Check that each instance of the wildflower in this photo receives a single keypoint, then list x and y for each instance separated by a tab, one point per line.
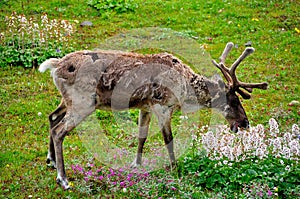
204	46
297	30
129	176
273	126
183	117
295	129
146	174
58	50
131	183
281	162
124	190
71	184
287	137
255	19
77	168
89	173
112	172
287	168
286	152
122	184
91	165
269	193
173	188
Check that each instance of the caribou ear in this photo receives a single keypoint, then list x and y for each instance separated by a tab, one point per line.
218	78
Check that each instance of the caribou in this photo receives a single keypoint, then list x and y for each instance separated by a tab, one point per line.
155	84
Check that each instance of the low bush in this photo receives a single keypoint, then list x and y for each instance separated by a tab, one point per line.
28	42
118	6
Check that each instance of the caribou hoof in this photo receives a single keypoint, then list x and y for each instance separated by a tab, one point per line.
51	163
63	182
134	164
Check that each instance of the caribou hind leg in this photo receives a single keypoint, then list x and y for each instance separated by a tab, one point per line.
54	118
75	112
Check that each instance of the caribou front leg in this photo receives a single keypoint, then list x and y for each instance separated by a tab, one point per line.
168	138
144	121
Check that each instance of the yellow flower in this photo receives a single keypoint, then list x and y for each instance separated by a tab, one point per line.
71	184
204	46
297	30
255	19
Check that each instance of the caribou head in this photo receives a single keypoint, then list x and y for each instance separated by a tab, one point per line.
232	109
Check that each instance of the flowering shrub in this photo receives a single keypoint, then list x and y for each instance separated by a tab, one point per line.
233	161
29	41
258	142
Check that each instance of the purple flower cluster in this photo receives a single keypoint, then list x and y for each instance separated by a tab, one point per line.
258	190
115	178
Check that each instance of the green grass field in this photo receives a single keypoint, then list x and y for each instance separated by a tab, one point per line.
27	96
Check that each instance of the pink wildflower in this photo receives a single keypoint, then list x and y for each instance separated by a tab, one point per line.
122	184
269	192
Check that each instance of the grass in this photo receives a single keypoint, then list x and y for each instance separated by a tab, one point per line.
271	26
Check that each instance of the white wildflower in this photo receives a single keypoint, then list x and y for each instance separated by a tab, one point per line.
287	137
281	162
286	152
273	127
295	129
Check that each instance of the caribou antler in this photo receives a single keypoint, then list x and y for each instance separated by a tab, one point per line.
230	76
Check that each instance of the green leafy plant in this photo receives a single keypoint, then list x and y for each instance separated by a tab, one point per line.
119	6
